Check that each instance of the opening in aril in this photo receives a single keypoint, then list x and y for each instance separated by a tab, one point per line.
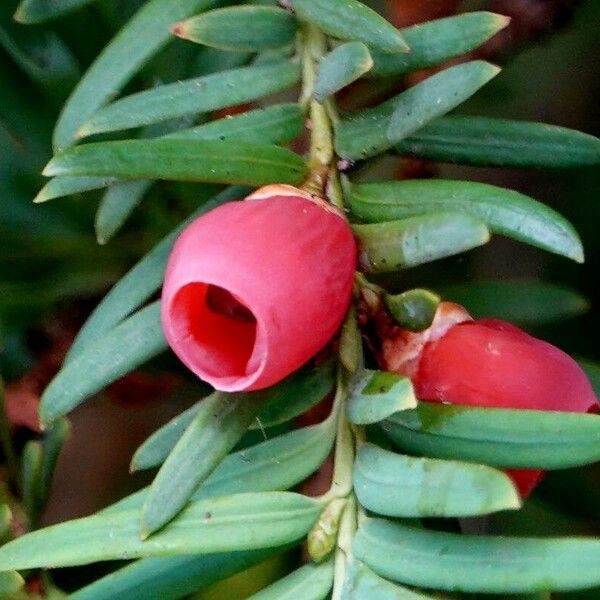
221	326
225	303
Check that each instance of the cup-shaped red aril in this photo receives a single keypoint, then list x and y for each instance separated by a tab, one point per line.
253	289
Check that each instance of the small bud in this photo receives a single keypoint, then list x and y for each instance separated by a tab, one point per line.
351	343
322	537
414	310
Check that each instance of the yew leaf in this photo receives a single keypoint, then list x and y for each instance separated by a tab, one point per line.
469	563
437	41
212	161
273	124
404	486
375	130
531	439
310	582
282	402
546	302
171	578
395	245
39	11
44	57
66	185
138	285
201	94
142	37
275	464
130	344
505	212
116	205
218	425
351	20
501	143
239	522
276	124
363	584
340	67
375	395
241	28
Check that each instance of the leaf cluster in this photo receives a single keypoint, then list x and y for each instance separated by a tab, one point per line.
220	501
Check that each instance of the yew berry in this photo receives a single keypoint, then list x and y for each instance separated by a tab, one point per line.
254	288
490	363
493	363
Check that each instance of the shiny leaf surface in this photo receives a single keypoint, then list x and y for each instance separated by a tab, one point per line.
211	161
372	131
249	28
239	522
201	94
437	41
351	20
501	143
501	565
504	211
218	425
375	395
340	67
395	245
403	486
504	438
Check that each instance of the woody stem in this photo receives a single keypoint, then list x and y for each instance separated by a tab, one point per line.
323	170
